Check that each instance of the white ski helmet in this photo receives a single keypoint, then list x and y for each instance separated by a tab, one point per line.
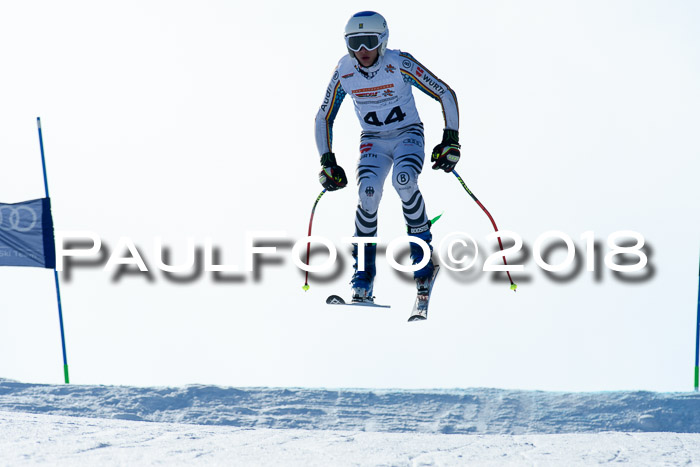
368	29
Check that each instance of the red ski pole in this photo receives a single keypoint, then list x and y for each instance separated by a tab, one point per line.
308	245
513	285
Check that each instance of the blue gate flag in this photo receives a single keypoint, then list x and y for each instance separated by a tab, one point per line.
26	234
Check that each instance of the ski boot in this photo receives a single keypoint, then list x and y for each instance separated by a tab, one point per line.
363	281
362	288
424	277
420	276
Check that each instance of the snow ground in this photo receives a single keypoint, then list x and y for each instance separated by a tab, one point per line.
96	425
60	440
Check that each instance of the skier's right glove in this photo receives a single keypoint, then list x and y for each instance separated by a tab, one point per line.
446	154
332	177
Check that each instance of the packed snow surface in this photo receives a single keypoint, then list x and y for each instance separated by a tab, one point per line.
68	424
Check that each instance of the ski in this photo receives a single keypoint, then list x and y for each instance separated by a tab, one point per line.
337	300
420	307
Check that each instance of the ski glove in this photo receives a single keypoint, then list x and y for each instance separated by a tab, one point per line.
332	176
446	154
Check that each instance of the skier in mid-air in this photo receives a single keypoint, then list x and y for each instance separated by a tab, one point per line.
380	81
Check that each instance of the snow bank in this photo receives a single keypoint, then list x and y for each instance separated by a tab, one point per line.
467	411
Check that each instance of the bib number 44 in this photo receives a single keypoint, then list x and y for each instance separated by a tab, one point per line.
395	115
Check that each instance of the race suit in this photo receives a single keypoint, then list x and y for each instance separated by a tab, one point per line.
392	133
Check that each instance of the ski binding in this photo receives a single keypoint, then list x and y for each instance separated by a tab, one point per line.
337	300
420	307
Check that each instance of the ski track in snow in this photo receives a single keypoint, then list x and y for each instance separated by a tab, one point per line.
87	425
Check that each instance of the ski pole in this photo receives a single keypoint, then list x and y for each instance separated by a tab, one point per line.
308	245
513	285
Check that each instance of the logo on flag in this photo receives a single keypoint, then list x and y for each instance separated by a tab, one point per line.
20	219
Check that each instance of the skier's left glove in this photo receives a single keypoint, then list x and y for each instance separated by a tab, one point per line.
446	154
332	176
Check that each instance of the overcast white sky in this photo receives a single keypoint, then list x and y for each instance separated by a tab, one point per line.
195	119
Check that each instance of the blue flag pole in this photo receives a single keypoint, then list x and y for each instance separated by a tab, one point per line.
55	273
697	340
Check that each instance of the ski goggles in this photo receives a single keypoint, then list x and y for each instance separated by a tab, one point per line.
368	41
